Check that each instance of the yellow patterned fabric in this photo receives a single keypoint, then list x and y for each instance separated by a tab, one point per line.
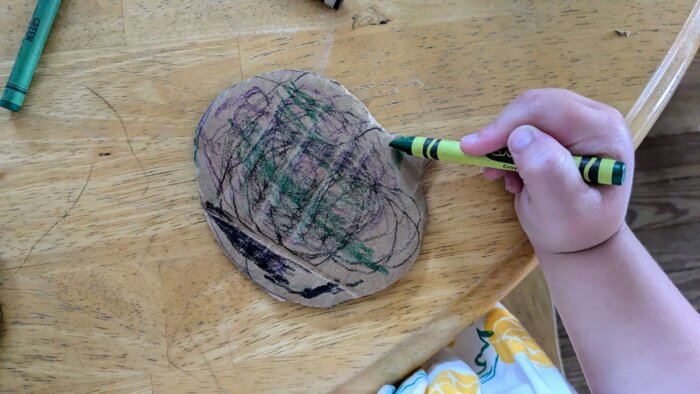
510	338
494	355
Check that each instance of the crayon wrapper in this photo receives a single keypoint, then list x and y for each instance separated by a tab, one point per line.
448	150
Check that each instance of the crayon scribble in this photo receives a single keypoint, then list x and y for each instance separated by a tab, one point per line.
291	166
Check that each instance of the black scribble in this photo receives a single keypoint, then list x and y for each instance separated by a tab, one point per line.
213	375
65	215
126	135
170	361
165	322
168	341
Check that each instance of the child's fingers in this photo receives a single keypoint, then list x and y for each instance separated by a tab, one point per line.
545	167
492	173
568	117
556	206
512	180
514	183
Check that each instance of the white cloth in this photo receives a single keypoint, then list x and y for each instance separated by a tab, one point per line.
494	355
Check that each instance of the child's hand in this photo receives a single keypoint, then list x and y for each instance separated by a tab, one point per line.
558	210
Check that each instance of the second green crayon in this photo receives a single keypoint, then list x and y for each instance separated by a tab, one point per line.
29	53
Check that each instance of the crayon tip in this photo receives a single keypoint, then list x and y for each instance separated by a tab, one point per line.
10	105
403	144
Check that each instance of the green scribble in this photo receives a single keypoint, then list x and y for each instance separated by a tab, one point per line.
312	108
363	255
398	157
292	191
256	152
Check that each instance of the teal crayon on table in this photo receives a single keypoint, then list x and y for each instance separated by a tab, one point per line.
595	170
29	53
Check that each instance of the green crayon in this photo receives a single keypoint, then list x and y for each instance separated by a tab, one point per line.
29	53
593	169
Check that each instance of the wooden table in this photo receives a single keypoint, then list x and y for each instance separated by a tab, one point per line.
109	275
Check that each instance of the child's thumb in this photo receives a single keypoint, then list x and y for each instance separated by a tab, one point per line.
547	168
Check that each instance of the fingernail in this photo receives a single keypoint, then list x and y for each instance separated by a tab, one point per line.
521	138
470	139
508	183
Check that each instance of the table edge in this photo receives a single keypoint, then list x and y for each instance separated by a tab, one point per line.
663	83
407	355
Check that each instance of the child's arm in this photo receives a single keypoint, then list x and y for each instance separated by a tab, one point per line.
631	328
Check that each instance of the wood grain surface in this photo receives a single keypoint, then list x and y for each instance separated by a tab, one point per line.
110	278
